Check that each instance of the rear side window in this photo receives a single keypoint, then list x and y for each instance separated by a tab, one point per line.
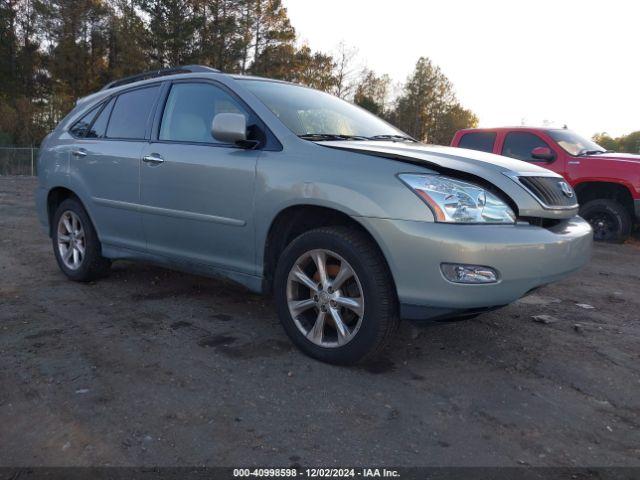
520	144
99	127
81	127
482	141
131	113
190	109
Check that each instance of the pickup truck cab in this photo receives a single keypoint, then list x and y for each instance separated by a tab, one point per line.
607	184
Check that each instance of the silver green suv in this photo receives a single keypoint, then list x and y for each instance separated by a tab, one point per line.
347	221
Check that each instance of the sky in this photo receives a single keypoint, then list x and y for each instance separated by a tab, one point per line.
511	62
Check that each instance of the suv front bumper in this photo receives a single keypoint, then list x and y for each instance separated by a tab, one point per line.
525	256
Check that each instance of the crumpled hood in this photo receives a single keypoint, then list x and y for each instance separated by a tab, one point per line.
446	157
495	169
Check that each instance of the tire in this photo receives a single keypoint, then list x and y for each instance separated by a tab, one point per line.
610	220
90	265
369	291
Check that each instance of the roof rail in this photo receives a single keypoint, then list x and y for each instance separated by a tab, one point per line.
160	73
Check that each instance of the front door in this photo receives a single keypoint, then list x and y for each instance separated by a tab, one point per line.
197	193
520	145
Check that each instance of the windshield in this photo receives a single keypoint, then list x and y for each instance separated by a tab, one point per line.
574	144
310	113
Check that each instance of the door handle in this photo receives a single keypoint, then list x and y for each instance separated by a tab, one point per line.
574	162
79	152
153	159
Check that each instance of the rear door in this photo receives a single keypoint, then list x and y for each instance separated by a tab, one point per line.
197	193
107	163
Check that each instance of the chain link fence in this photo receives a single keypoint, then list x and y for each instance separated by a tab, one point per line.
18	161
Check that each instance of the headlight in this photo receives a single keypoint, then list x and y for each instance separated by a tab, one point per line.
454	201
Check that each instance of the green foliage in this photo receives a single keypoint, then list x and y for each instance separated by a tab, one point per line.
54	51
128	41
299	65
604	140
428	109
8	46
630	143
171	29
453	118
626	143
372	92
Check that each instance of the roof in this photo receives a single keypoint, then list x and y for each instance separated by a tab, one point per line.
517	127
166	72
160	73
180	70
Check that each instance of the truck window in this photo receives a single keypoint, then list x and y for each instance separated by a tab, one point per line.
482	141
520	144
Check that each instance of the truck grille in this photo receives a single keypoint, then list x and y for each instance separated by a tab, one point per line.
549	192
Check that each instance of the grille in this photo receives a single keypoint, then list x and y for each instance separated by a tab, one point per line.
549	192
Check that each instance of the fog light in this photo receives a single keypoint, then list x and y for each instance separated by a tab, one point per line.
461	273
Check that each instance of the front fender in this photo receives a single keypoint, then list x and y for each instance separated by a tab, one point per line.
352	184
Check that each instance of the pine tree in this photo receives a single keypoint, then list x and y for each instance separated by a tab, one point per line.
267	29
172	28
221	42
128	45
427	109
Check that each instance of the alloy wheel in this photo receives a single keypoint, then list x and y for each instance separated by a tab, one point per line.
325	298
71	240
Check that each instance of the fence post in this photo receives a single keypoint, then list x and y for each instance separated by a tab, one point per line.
32	160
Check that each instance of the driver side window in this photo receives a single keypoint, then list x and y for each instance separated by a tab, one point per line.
520	145
190	110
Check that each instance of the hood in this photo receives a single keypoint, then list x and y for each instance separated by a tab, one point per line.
625	157
502	172
445	157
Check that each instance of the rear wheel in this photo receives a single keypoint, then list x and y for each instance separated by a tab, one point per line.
334	295
610	220
75	243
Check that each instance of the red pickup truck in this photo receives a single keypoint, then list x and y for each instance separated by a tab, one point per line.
607	184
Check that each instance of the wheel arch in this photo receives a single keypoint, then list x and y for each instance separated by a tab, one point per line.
294	220
593	190
58	194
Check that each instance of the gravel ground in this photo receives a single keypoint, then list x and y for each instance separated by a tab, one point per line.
154	367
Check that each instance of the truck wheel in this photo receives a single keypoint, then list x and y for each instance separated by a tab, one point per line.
75	243
611	222
334	295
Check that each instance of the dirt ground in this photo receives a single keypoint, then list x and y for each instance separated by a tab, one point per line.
153	367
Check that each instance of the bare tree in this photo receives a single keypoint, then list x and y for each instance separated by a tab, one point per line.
345	71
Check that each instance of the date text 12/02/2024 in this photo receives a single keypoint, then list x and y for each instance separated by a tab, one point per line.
316	472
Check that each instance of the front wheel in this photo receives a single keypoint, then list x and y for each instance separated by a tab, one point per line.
334	295
610	220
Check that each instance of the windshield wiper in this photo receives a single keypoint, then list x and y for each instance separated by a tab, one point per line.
593	152
316	137
394	138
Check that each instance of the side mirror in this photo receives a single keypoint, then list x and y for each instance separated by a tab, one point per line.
543	153
231	128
